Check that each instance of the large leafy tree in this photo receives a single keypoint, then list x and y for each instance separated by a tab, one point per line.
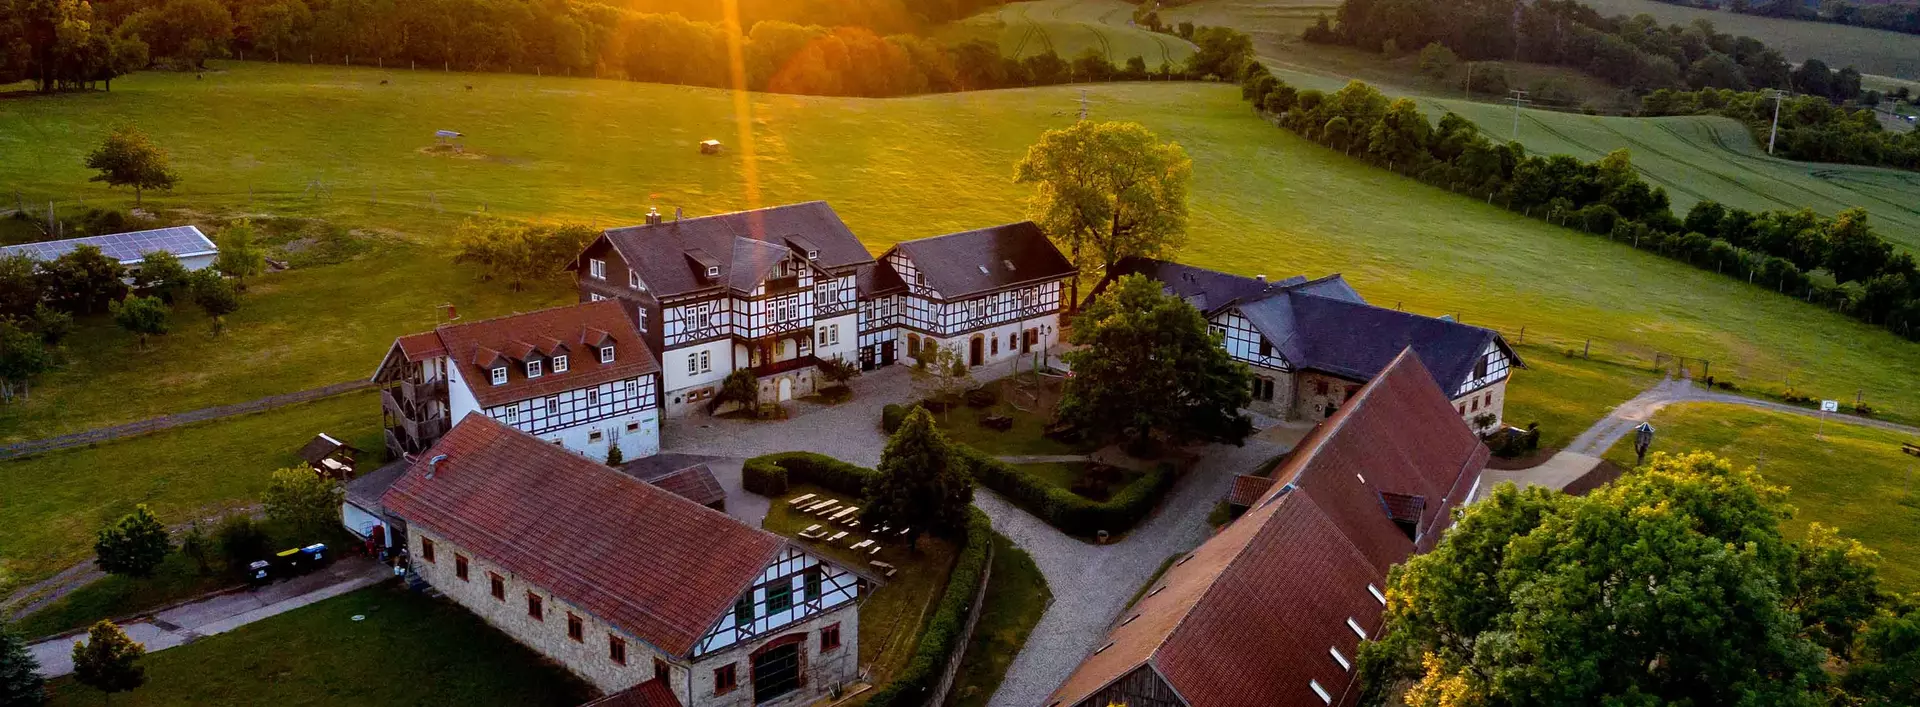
1886	670
109	661
20	680
302	499
161	275
19	285
1146	364
129	159
134	546
216	295
919	484
1108	190
1674	585
143	316
83	281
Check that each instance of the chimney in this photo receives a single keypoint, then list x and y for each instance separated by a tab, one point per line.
1262	279
676	213
434	464
653	216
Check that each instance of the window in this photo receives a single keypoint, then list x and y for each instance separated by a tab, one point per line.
1355	625
533	369
597	268
724	680
1319	387
633	427
830	638
575	630
511	414
633	281
560	363
640	316
693	364
1266	348
460	566
426	549
535	607
1321	691
616	649
500	375
779	597
1480	369
553	405
594	297
1341	659
1476	405
593	396
706	361
595	436
660	668
811	583
498	585
743	610
1377	596
821	335
632	388
713	271
606	354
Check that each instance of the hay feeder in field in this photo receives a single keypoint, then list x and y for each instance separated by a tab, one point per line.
448	139
709	147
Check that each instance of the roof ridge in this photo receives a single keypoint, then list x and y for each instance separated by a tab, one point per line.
969	231
722	214
443	326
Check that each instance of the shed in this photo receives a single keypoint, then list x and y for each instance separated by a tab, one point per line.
194	249
709	147
331	457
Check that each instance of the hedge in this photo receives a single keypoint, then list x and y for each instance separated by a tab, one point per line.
943	635
762	476
817	469
1070	512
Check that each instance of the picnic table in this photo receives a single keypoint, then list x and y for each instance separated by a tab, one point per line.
837	536
885	568
844	512
822	506
861	544
797	500
812	532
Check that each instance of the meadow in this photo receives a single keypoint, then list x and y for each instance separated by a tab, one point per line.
1069	28
1846	476
336	143
1872	51
1568	394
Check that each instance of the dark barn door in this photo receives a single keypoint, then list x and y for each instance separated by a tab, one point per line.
776	671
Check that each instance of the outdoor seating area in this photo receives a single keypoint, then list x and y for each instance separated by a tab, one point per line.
840	521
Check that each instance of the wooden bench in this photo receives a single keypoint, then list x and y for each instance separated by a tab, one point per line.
797	500
885	568
844	512
812	531
837	536
829	503
861	544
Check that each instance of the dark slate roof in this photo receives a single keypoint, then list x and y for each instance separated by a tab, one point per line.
1207	290
968	263
322	446
182	241
660	252
366	489
695	483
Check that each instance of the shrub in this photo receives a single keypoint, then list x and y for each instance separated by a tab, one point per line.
241	541
835	395
891	416
762	476
1863	410
1064	509
981	397
944	632
769	411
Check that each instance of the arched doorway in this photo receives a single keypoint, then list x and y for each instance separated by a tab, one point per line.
786	389
976	350
779	667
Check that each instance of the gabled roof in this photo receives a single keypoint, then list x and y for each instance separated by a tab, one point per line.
1207	290
1248	618
969	263
1248	489
652	693
182	241
323	445
695	483
660	252
657	566
574	329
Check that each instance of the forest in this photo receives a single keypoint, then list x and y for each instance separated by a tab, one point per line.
1811	129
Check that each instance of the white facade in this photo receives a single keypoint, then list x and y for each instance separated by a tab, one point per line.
587	421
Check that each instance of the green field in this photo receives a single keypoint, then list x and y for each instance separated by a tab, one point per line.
1568	394
378	646
1853	478
1871	51
1069	28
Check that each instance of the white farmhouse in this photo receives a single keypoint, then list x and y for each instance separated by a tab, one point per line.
578	376
993	294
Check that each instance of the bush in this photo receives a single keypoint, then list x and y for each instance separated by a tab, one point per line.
944	632
891	416
835	395
1062	508
762	476
810	468
242	540
981	397
1863	410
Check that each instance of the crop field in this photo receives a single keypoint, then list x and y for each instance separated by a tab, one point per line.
1872	51
1070	28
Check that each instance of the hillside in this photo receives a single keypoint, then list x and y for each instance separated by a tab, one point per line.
1070	27
332	142
1871	51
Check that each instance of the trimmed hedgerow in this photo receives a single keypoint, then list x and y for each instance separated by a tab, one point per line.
944	632
1070	512
818	469
760	475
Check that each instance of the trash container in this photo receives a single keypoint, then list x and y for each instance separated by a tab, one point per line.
259	573
290	562
317	556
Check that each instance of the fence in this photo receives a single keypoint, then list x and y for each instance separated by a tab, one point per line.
155	424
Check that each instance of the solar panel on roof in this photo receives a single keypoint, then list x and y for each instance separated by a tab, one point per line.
179	240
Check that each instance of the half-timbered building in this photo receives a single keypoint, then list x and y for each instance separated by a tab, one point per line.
1272	610
626	584
579	376
1313	343
993	294
772	291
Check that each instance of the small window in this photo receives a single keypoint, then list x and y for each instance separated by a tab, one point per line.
779	597
575	629
1355	625
594	297
633	427
426	549
460	566
633	281
606	354
511	414
617	649
640	316
500	375
632	388
1377	596
743	610
813	254
595	436
533	369
560	363
693	364
597	268
830	638
498	585
553	405
1476	405
536	607
713	271
1319	387
1266	348
660	669
593	396
811	583
1337	658
706	361
724	680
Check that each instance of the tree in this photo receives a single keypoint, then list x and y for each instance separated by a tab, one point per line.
1147	363
241	540
1107	191
919	484
1886	667
1852	250
23	356
303	500
239	257
20	680
83	280
134	546
144	316
941	371
1672	585
216	295
128	159
198	547
161	275
1437	61
109	661
19	285
740	386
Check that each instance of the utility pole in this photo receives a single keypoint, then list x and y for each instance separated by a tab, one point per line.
1518	98
1774	133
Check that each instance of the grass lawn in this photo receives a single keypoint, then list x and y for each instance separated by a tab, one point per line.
892	617
1017	595
1872	51
1855	479
1066	475
409	650
55	502
1070	28
1567	395
1026	438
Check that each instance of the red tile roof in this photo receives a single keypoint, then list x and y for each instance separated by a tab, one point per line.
1248	489
1248	618
656	565
572	329
652	693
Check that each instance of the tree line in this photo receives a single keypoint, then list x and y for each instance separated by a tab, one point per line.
1633	52
1893	17
1811	129
1787	251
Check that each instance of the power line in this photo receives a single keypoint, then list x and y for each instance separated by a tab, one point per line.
1518	98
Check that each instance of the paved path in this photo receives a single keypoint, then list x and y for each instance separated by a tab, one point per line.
218	614
1090	583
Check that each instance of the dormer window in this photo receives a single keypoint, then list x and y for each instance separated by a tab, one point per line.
560	363
606	354
500	375
633	281
533	369
813	255
597	268
713	271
